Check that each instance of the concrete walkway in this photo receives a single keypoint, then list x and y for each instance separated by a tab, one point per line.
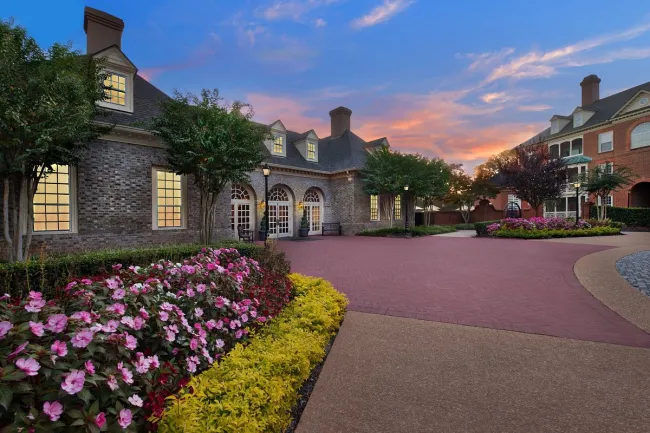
460	234
389	374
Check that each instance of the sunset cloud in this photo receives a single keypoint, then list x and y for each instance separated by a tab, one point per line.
534	107
381	13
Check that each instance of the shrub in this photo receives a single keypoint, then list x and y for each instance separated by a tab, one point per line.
464	226
555	233
413	231
43	275
629	216
254	387
107	350
481	227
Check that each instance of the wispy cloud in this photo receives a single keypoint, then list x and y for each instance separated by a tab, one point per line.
489	98
294	10
381	13
542	64
319	22
540	107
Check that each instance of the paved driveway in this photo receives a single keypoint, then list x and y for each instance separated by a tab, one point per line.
495	283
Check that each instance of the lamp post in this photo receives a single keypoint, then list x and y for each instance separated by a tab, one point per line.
576	185
266	170
406	203
352	220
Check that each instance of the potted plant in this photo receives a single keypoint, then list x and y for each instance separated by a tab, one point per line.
304	225
263	229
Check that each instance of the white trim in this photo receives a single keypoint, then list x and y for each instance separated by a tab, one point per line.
74	210
633	99
378	208
128	92
605	137
646	143
154	200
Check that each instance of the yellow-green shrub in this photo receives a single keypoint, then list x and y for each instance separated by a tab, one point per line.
255	386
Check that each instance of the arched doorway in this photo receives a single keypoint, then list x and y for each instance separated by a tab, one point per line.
280	213
313	204
640	195
242	208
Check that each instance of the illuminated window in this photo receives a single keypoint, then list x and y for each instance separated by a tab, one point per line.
52	210
169	199
311	150
278	144
115	85
374	208
398	207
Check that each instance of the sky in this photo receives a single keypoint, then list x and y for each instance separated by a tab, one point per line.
456	80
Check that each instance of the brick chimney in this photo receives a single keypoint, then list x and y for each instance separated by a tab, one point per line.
102	30
340	120
590	89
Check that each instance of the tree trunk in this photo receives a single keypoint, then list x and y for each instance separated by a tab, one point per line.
5	220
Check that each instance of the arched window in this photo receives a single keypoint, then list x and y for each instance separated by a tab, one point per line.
242	208
640	136
311	196
239	192
278	194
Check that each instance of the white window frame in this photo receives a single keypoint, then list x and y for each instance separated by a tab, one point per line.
154	200
378	208
570	140
128	93
646	137
315	157
610	201
608	166
514	199
605	137
74	228
282	144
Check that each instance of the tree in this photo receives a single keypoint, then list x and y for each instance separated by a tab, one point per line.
213	142
383	176
535	175
492	166
48	114
465	191
601	182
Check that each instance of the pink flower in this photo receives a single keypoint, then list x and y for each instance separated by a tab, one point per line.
117	267
29	366
253	313
131	343
244	318
82	339
74	382
221	301
18	350
135	400
100	419
198	312
128	321
36	328
83	316
116	308
5	327
111	326
57	323
35	296
261	319
35	306
125	418
86	281
200	288
164	316
112	383
90	368
53	410
144	314
153	361
194	343
192	362
60	348
219	324
238	333
118	294
112	283
210	324
234	324
127	376
142	364
138	323
219	343
166	306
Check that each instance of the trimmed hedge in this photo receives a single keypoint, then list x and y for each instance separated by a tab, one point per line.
546	233
465	226
45	275
253	388
481	227
413	231
630	216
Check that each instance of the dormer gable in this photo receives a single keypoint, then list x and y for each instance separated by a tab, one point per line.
638	102
277	145
580	116
307	145
558	123
120	73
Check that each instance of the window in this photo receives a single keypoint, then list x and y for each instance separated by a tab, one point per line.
576	146
607	168
374	208
52	201
555	151
577	120
565	149
169	198
640	136
609	201
606	141
514	199
115	85
398	207
278	144
311	150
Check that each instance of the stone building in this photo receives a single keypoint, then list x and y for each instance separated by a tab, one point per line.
123	194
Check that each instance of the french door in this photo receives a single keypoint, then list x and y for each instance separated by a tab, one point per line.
314	217
280	220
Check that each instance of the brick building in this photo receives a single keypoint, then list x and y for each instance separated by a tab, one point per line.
608	132
122	193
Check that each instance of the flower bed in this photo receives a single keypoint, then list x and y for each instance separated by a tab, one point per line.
103	353
546	233
538	228
254	387
413	231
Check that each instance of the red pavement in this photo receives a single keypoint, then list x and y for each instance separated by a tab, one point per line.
496	283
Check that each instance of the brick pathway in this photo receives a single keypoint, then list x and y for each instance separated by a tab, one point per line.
496	283
635	268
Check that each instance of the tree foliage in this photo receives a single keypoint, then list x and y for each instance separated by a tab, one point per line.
601	182
211	141
47	116
535	175
464	191
493	165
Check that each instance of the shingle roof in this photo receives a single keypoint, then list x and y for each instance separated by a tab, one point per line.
146	97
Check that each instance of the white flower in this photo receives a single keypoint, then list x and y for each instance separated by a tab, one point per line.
135	400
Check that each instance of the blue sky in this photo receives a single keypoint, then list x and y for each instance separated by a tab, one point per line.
459	80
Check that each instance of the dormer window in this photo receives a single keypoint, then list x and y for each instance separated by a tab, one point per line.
278	144
311	150
115	85
577	120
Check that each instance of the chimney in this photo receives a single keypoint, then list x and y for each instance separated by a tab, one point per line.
340	120
102	30
590	89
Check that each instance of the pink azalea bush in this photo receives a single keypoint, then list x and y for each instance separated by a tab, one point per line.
537	223
106	351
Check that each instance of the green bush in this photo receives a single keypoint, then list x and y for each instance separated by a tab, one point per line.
465	226
629	216
481	227
255	386
413	231
52	272
548	233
